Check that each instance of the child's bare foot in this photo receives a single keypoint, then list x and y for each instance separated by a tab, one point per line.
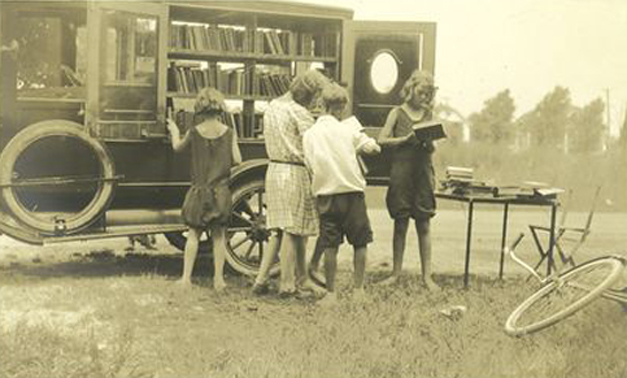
184	282
431	286
219	286
260	288
317	277
329	301
390	280
313	288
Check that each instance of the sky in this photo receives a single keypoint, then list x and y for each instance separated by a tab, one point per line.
526	46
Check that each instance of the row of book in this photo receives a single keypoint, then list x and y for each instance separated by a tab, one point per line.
188	79
246	126
270	41
461	181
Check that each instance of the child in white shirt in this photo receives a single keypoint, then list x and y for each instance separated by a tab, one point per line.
331	154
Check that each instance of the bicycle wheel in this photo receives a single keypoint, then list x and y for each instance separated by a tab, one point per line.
564	296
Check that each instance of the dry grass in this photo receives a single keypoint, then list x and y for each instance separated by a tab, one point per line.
140	323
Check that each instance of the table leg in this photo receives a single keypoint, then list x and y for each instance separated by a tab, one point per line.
551	238
471	206
503	239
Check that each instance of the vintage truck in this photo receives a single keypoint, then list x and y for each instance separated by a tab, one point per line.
86	85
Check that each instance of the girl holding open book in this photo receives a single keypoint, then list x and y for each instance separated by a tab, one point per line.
412	178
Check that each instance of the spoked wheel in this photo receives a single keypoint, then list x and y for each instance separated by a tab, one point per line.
55	178
564	296
247	236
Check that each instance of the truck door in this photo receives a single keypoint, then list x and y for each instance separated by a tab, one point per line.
377	58
125	71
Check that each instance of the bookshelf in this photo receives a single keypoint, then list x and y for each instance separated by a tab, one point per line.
250	55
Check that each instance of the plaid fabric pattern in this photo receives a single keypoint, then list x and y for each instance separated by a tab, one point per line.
291	205
285	122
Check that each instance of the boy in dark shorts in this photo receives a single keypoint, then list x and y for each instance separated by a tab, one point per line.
331	154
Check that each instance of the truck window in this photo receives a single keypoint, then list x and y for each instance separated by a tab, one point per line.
131	46
384	72
52	55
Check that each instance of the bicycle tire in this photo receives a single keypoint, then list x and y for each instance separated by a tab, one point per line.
554	301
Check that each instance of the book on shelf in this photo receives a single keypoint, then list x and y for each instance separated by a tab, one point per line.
429	130
191	78
211	37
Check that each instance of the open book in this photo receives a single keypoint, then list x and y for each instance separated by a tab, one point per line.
429	130
354	122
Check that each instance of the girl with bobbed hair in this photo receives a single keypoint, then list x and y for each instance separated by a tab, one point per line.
411	193
291	212
207	205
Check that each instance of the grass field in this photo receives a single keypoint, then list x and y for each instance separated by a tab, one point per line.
92	310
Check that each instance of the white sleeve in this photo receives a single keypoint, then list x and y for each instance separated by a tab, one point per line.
365	144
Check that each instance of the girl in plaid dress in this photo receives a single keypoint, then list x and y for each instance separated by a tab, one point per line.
291	206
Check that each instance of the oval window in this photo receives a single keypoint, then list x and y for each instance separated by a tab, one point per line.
383	72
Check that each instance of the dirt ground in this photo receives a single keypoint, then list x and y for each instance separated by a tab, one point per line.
92	309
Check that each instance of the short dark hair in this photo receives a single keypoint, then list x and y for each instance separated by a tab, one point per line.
210	101
305	86
334	96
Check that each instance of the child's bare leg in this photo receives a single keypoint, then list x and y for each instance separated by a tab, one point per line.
274	244
398	244
219	255
288	261
330	270
300	244
314	264
398	248
191	250
359	264
424	245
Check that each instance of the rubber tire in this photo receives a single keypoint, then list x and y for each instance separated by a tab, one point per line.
512	329
51	128
253	183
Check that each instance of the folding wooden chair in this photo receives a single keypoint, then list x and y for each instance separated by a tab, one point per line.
574	237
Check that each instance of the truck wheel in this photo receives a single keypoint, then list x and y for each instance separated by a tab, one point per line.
247	236
55	178
178	239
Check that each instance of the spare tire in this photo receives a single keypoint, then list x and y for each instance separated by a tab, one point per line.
55	136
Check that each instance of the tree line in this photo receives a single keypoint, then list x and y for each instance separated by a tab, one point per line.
554	122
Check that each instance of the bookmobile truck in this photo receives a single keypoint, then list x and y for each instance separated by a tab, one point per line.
86	85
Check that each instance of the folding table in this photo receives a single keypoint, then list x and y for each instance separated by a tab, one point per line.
471	199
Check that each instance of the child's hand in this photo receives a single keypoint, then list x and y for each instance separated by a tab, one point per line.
172	127
409	138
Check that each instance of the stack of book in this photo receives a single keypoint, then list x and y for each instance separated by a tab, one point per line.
527	189
460	181
462	174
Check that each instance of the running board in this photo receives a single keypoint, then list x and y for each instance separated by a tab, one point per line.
117	231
